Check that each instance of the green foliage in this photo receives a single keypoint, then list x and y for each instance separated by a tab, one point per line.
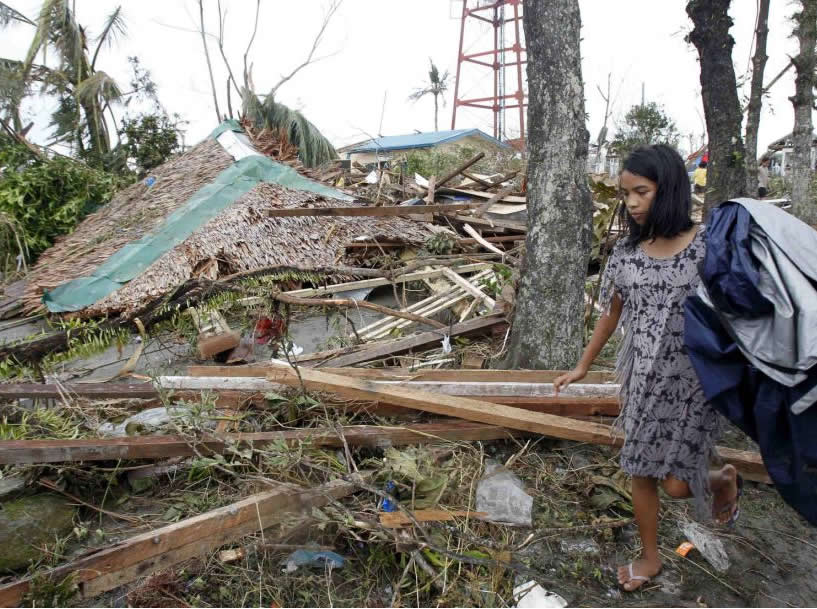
291	126
149	140
439	161
645	125
48	197
605	201
440	244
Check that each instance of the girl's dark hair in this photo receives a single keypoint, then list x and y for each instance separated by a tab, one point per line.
670	214
702	164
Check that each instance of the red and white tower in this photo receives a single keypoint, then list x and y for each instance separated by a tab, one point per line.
504	58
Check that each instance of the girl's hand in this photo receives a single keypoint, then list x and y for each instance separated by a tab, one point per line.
563	381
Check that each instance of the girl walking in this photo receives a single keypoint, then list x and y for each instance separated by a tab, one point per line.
670	430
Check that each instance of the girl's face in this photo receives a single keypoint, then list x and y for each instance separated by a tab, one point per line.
638	193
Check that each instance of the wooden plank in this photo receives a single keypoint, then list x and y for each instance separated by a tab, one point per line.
108	568
418	341
481	390
463	241
446	405
502	195
401	374
382	211
373	283
561	406
506	194
101	391
470	288
159	447
393	520
490	223
471	231
483	412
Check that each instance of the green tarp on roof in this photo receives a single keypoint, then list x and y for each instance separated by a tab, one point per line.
207	203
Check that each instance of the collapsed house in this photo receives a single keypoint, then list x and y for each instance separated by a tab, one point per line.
202	214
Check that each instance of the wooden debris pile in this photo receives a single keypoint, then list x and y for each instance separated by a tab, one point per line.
477	405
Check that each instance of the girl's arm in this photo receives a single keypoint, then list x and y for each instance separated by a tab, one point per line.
604	329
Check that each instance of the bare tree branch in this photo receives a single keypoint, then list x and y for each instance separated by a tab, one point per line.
249	45
222	19
207	56
327	18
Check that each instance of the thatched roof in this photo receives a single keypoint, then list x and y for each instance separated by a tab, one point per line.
240	238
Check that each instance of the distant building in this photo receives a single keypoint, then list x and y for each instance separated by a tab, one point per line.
780	153
384	149
601	159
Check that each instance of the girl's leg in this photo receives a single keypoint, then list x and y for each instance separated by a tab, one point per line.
645	505
723	483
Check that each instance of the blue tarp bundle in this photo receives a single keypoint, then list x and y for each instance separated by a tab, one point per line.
738	293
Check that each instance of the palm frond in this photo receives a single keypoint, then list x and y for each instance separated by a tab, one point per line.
97	86
114	28
313	148
56	25
9	15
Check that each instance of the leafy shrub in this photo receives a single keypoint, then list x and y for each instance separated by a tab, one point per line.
46	198
439	161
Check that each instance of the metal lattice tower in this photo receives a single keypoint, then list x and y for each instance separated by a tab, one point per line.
502	15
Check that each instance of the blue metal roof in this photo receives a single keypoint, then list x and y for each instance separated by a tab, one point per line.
422	140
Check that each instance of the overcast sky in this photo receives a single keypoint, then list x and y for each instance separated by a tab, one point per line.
379	49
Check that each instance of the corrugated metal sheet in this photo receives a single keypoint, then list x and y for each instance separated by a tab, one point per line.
421	140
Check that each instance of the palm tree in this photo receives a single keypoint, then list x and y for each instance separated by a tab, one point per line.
436	87
84	93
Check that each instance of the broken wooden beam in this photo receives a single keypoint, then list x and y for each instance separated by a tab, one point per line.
748	463
348	303
393	520
490	222
481	390
463	241
419	341
160	447
373	283
470	288
458	170
110	567
102	391
383	210
401	374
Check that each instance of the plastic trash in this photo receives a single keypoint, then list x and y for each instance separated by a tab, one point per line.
372	177
302	558
387	505
710	547
531	594
446	344
145	420
150	181
501	495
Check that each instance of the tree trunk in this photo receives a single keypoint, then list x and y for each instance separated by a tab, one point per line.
756	96
547	325
803	101
436	109
726	173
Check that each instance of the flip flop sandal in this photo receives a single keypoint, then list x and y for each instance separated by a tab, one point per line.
635	578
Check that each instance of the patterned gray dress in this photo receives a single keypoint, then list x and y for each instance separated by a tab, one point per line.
668	425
